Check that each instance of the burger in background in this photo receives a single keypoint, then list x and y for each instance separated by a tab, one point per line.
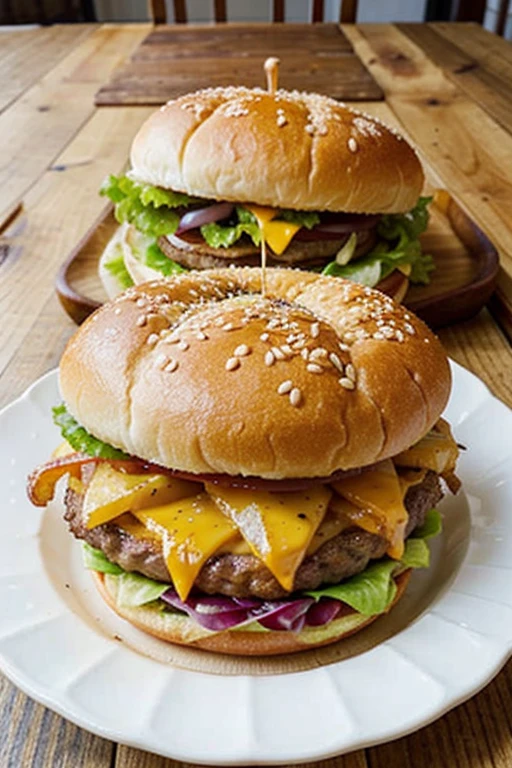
218	173
252	474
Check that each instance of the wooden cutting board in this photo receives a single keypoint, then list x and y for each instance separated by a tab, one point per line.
173	60
464	279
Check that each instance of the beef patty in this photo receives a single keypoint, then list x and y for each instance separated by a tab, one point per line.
195	253
342	556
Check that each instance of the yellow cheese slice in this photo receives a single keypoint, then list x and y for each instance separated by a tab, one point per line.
278	527
410	477
277	234
340	514
191	530
110	493
379	497
437	451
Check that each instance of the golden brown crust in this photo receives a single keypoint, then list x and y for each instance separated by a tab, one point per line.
199	373
175	628
236	144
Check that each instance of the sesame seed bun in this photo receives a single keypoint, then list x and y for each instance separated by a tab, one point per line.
199	373
285	150
178	628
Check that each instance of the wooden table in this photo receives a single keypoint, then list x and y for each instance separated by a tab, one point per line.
449	87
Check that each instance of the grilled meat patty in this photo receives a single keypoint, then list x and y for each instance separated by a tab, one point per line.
235	575
194	252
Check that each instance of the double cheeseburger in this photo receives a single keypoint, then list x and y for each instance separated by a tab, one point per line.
215	175
252	474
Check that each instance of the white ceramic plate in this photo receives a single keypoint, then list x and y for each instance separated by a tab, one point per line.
57	638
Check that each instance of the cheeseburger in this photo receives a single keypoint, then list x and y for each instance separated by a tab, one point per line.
249	473
218	175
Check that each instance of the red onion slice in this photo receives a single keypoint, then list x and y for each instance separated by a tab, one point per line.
196	219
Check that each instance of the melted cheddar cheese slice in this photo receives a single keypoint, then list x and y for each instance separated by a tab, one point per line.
278	527
437	451
111	493
378	496
191	531
278	234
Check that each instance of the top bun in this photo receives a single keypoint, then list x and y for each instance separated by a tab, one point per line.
200	373
286	150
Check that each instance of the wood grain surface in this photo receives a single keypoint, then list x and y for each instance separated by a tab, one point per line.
469	151
175	60
463	142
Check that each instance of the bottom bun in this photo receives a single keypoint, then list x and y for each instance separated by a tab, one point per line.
180	629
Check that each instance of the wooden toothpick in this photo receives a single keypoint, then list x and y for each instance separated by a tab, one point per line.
271	68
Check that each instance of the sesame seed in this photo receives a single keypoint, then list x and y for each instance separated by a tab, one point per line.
295	396
350	371
242	350
141	302
409	328
161	360
117	311
286	349
201	336
172	339
152	339
310	129
343	347
183	345
399	335
278	354
227	327
264	337
352	144
315	330
232	364
171	365
285	387
141	320
427	341
314	368
269	358
347	383
378	335
281	120
318	353
304	354
333	357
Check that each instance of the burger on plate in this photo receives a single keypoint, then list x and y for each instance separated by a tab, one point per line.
217	174
252	474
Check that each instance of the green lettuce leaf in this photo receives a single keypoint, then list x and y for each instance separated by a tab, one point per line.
117	269
146	250
366	270
399	246
373	590
369	592
307	219
80	439
416	554
95	560
432	526
148	208
156	259
224	236
133	589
